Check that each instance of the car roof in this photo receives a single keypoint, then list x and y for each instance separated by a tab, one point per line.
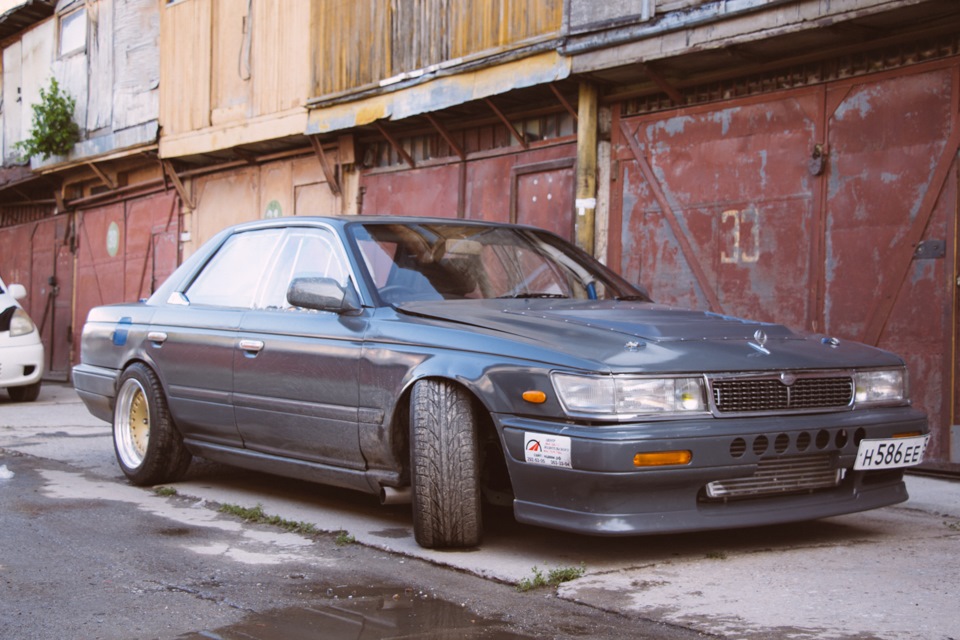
343	221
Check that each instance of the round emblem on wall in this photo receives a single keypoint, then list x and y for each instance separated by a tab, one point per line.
274	210
113	239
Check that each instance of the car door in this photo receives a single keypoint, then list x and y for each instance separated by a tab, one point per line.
296	389
193	337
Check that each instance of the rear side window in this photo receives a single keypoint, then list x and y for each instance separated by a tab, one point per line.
233	276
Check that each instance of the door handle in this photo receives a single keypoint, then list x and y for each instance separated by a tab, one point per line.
157	337
251	346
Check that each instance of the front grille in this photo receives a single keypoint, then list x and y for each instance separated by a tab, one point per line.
779	476
753	395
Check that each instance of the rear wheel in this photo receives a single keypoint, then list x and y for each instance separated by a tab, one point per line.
445	466
149	448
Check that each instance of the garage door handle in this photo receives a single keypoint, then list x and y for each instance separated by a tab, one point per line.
157	337
251	346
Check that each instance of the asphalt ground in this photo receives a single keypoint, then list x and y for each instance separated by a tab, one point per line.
890	573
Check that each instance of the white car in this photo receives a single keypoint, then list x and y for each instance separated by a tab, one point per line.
21	352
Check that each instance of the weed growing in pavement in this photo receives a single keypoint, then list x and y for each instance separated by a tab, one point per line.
551	579
344	538
716	555
953	526
256	515
165	492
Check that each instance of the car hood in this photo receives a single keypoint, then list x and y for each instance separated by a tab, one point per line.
646	336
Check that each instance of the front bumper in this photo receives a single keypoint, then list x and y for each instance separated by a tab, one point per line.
21	362
604	493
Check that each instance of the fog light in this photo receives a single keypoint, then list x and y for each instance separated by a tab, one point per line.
535	397
662	458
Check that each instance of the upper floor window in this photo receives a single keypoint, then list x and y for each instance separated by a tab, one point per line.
73	32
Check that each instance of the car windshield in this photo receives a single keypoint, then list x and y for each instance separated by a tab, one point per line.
454	261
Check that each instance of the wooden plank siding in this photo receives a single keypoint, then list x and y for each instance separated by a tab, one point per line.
280	56
221	66
185	66
358	43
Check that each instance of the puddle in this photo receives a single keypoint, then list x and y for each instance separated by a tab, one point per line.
357	614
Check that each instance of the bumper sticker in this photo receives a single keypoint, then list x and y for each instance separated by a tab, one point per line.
552	451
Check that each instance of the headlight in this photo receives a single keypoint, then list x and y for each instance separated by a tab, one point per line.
21	324
626	396
888	386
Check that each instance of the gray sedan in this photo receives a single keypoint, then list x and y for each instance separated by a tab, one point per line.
449	362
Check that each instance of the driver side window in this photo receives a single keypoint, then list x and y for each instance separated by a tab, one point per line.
306	253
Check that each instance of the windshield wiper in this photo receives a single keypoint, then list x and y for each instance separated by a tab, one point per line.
535	295
635	296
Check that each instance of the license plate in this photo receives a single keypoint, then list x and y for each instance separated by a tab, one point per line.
891	453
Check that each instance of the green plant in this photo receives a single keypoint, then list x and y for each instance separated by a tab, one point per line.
256	515
551	579
344	538
165	492
53	131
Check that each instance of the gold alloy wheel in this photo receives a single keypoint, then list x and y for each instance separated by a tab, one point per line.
132	424
139	423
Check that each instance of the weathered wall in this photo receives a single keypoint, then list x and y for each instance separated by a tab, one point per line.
831	208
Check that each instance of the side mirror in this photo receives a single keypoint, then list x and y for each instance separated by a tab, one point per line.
323	294
18	291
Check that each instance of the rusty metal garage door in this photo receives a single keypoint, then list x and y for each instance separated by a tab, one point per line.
831	208
529	187
125	251
38	255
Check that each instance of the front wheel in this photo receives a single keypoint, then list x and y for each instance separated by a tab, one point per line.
445	466
27	393
149	448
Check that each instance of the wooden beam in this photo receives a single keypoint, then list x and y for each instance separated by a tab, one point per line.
171	173
563	100
586	202
104	178
446	136
325	165
662	83
396	146
246	156
516	134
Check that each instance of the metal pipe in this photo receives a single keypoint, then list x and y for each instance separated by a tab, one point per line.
396	495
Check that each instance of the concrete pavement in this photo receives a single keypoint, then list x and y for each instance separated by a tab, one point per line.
889	573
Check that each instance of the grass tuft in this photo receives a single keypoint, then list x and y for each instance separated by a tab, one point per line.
256	515
551	579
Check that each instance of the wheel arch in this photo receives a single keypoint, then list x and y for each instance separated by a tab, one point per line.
493	460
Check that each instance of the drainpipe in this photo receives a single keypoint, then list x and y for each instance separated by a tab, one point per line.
586	202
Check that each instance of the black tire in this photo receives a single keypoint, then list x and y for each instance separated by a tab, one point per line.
28	393
445	466
149	448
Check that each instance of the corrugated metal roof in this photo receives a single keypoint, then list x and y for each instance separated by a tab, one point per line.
440	93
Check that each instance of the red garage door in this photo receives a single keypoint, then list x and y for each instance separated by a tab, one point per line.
125	252
529	187
38	255
831	208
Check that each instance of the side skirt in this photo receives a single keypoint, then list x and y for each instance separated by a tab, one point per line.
365	481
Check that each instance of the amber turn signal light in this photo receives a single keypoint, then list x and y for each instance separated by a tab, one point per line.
662	458
535	397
